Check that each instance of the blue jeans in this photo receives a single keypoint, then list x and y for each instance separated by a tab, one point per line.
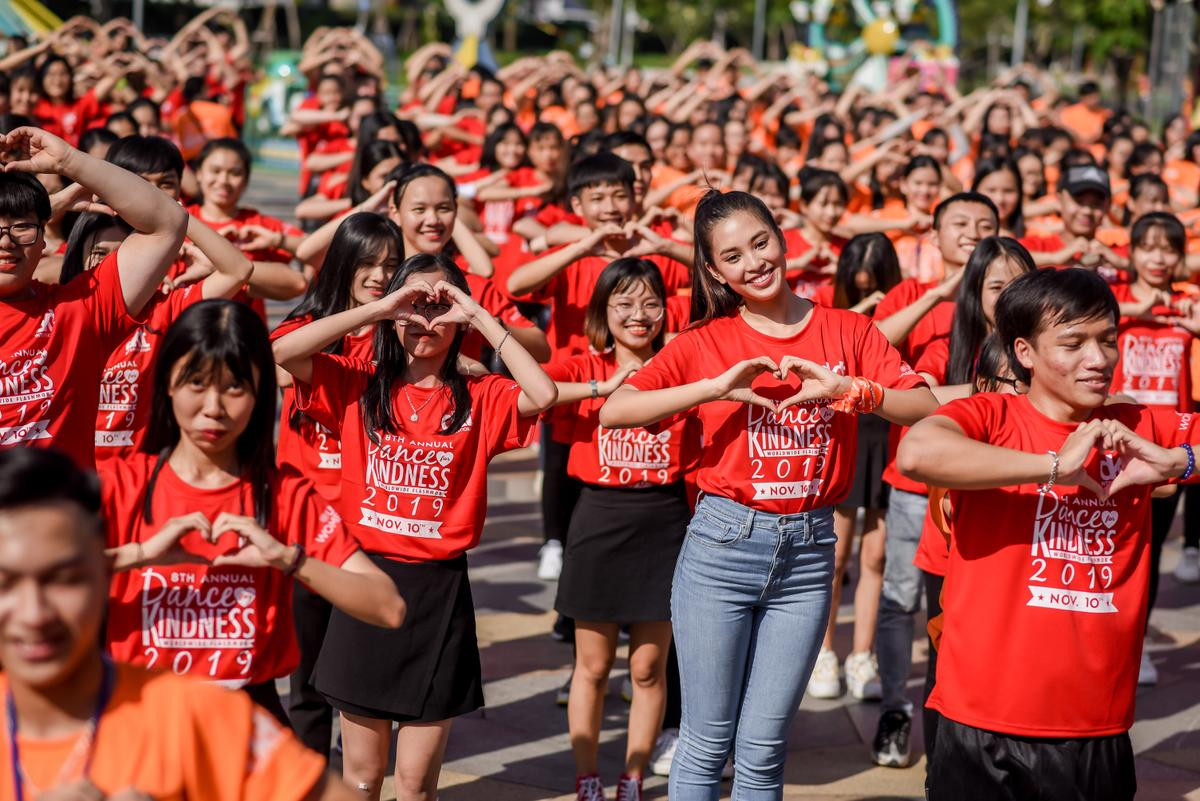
901	597
749	605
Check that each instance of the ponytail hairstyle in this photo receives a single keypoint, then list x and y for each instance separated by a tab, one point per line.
865	253
208	336
970	327
367	156
710	297
414	170
378	400
619	276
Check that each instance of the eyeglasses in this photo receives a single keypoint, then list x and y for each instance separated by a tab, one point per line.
22	233
431	310
653	310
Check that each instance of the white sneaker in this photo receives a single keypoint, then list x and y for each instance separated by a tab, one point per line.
550	561
664	752
862	677
1188	569
825	681
1147	673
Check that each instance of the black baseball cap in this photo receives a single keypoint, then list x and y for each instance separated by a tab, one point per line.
1086	178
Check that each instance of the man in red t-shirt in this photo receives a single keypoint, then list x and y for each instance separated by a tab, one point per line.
1084	195
601	191
913	316
55	339
1046	584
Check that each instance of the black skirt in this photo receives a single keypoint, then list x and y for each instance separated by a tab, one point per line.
868	489
426	670
620	556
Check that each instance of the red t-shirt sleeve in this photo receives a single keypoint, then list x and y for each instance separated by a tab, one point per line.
975	415
672	366
100	292
935	360
881	362
507	429
897	298
310	521
337	382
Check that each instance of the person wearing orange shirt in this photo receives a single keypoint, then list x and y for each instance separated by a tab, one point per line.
80	726
1085	119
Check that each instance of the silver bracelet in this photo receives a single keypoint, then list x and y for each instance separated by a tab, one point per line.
503	339
1045	488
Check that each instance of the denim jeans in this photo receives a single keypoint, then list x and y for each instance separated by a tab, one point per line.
749	605
901	597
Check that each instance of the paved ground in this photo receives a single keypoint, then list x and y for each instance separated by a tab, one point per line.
517	748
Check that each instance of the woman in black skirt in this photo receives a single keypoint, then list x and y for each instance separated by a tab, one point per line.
416	436
628	526
866	270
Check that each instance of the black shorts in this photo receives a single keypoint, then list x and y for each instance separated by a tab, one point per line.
987	766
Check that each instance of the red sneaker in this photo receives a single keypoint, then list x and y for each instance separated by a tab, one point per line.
589	788
629	788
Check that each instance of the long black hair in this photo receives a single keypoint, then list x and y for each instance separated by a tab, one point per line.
86	226
378	401
970	327
208	336
869	253
985	167
488	160
710	297
360	237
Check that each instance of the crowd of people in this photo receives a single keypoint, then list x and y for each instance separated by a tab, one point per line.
747	320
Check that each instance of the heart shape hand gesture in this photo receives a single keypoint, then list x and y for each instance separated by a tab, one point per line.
818	382
734	383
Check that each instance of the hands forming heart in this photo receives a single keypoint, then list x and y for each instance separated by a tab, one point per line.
33	150
427	306
256	546
1142	462
818	382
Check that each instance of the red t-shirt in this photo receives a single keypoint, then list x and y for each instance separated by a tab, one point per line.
416	495
570	291
495	303
1154	368
679	312
128	379
1045	595
622	457
1054	243
308	447
229	624
819	272
803	461
54	342
498	216
932	551
67	120
249	216
933	326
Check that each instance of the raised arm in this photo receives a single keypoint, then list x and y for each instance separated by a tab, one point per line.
158	225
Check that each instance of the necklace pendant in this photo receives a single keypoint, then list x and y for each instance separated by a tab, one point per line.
413	417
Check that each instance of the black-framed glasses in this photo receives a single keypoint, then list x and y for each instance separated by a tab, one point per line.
652	309
22	233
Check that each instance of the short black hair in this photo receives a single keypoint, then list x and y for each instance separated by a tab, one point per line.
21	194
814	179
31	476
597	170
1169	224
143	155
1048	297
96	136
1089	88
624	139
964	197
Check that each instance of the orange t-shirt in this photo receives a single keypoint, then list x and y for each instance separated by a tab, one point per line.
173	737
1086	124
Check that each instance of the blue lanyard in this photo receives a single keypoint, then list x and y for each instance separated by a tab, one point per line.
107	682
